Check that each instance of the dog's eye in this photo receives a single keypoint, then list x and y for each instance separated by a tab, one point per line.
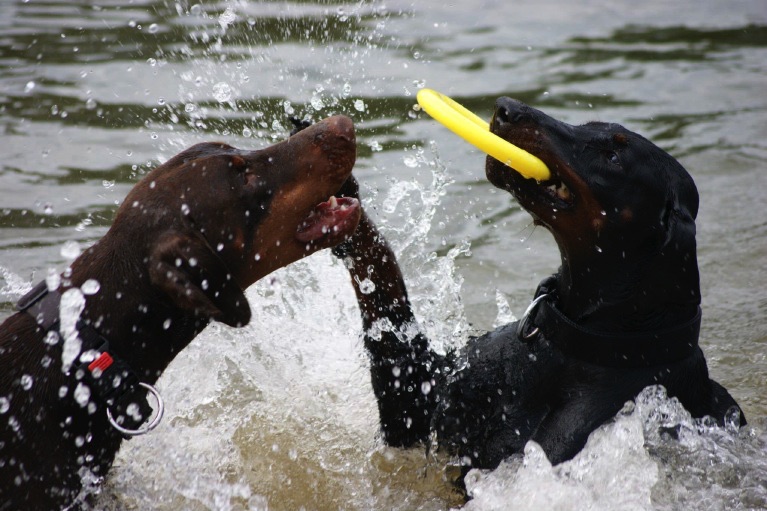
613	158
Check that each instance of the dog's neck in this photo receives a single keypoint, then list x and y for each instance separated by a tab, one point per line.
616	291
141	324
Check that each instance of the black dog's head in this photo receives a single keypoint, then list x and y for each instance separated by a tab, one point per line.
621	209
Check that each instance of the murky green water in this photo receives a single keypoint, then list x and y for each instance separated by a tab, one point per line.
94	94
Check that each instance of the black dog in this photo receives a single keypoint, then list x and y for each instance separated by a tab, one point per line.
622	313
185	244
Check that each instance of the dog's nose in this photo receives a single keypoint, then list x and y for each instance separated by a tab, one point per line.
509	111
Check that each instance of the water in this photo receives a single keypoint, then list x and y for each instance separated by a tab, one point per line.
280	415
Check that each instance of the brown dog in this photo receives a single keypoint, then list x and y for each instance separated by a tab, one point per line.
185	244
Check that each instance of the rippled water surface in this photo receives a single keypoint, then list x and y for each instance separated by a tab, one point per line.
280	414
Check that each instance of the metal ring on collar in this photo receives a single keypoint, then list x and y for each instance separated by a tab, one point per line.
152	424
523	322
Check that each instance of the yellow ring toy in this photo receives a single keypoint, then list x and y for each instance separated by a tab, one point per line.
474	130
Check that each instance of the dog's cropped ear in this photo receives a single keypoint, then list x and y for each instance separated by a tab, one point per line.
196	280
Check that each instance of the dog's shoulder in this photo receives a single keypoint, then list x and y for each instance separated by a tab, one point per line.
498	395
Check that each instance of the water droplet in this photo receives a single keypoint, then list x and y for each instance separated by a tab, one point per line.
166	324
317	103
26	382
30	85
246	132
83	224
425	387
108	184
51	338
359	105
184	209
5	404
134	411
90	104
70	250
90	287
153	28
82	394
366	286
220	247
222	92
375	146
396	371
410	161
227	18
53	279
70	308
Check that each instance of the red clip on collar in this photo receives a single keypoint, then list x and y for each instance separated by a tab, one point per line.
101	363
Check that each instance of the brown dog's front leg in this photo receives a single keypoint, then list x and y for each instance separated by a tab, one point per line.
405	373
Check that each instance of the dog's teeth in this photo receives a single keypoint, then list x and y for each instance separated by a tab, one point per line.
333	201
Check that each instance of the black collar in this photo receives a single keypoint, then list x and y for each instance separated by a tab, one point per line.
623	350
110	379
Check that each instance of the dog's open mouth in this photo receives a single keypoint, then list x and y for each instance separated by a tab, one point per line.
335	217
557	191
554	191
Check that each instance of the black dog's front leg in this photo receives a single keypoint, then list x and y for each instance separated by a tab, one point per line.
405	373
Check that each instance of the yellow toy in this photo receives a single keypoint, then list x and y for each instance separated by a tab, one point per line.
474	130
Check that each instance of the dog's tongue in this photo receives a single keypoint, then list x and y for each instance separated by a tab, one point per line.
335	216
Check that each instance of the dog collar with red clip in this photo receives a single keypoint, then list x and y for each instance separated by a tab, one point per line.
108	377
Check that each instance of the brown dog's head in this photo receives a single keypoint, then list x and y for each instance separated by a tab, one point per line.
215	219
621	209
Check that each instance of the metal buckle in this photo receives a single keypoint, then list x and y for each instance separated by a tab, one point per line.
523	322
152	424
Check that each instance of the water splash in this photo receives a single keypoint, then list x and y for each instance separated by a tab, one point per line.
634	463
72	305
13	286
505	316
